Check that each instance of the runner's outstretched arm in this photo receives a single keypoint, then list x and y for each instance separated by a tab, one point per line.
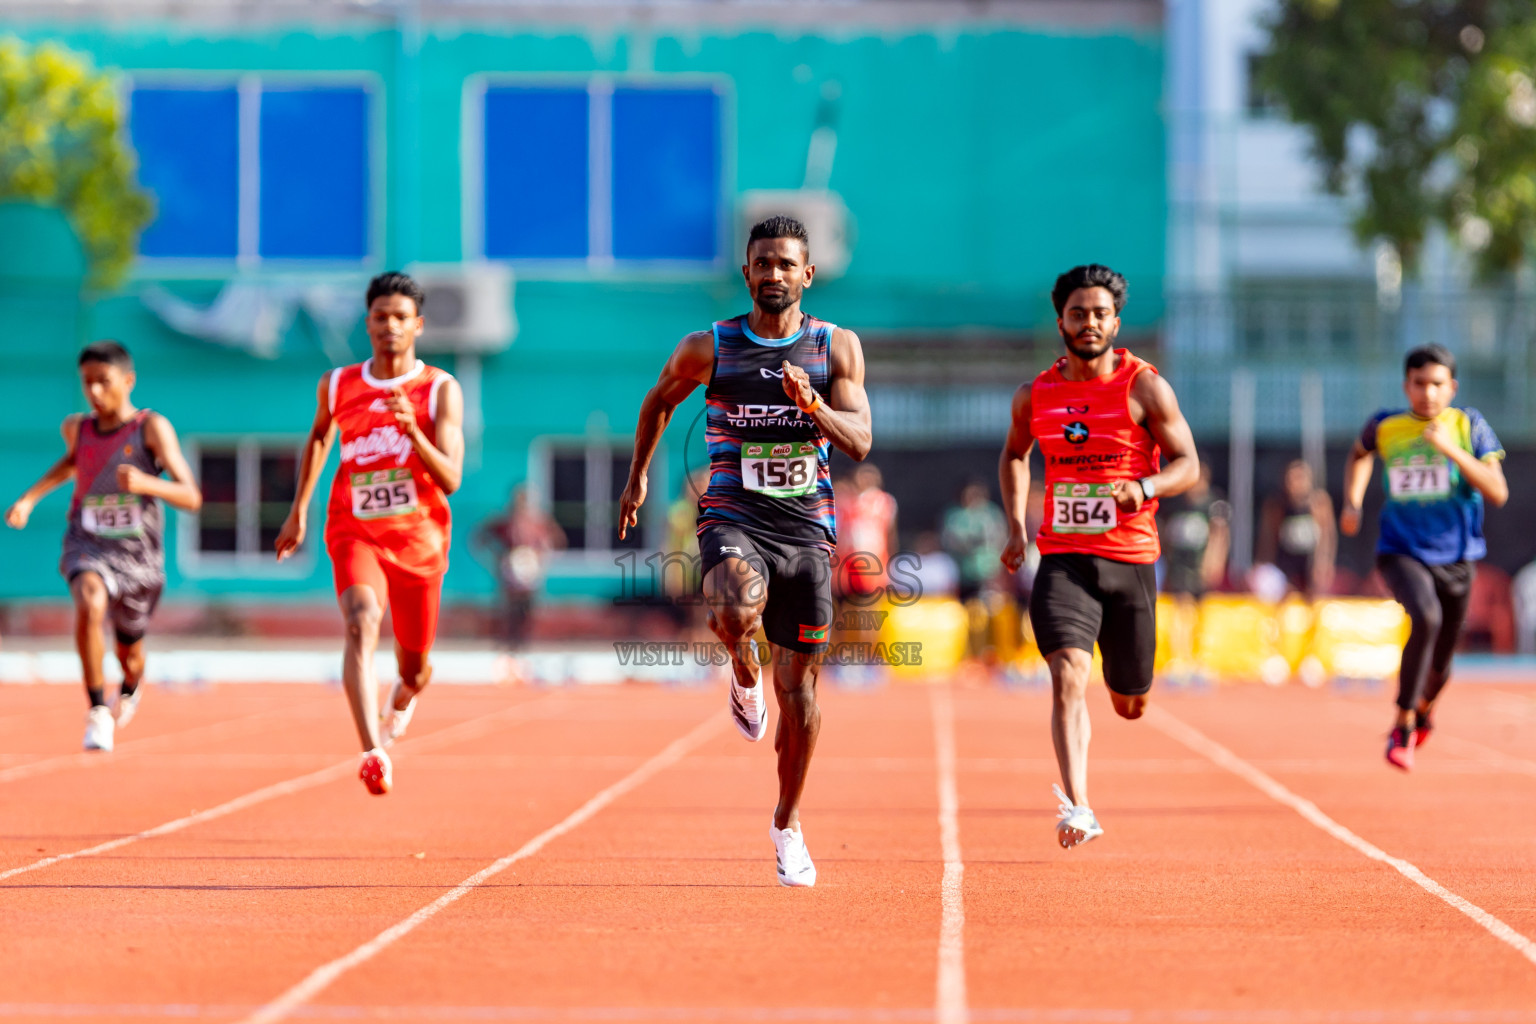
1013	477
17	515
444	460
1357	476
1166	422
844	416
1486	475
181	489
311	460
691	364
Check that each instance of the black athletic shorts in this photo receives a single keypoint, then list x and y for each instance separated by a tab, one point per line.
1082	599
798	613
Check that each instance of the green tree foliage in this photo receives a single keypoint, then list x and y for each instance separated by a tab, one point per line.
62	144
1426	107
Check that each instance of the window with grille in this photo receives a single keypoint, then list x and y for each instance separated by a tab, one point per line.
248	487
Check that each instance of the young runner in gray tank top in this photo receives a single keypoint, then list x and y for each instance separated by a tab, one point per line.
114	546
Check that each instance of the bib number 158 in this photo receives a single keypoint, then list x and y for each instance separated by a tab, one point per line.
783	470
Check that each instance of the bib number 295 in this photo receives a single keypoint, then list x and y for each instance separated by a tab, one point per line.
390	492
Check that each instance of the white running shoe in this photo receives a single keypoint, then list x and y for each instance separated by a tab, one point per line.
749	708
394	722
794	860
376	772
98	728
128	706
1077	824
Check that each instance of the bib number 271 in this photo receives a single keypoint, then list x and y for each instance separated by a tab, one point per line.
1083	508
389	492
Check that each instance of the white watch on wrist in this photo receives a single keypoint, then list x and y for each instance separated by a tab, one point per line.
1148	489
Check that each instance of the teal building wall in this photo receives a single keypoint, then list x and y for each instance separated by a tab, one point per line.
977	161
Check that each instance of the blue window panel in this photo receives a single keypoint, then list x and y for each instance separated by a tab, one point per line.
188	143
315	183
666	174
536	173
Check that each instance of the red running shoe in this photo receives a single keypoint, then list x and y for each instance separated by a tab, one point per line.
1400	748
1422	729
376	772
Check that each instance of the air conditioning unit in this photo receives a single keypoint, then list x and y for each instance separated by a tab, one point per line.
468	307
823	213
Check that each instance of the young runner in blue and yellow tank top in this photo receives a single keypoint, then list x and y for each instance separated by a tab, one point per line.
1441	463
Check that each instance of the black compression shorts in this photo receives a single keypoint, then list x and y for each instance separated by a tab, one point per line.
1082	599
798	613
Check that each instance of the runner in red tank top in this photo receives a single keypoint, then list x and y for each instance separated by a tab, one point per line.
1102	418
387	525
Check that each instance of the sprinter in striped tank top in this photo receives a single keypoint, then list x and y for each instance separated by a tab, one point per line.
1103	420
782	389
114	546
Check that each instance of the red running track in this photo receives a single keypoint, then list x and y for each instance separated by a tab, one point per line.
271	886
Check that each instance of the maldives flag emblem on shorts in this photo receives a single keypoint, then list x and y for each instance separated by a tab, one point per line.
814	634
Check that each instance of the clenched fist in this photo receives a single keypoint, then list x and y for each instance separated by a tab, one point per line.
405	412
797	385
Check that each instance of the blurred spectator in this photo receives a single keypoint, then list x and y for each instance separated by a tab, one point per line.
935	572
1196	532
974	534
1297	533
520	541
1490	622
866	534
1523	596
1019	584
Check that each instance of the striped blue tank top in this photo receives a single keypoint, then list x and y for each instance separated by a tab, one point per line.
768	461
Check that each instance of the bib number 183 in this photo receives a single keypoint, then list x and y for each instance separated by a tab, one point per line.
112	515
1083	508
388	492
784	470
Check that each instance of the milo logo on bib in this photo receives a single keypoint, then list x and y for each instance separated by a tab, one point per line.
782	469
1083	508
112	515
383	493
1418	477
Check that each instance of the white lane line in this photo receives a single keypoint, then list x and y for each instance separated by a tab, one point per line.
452	734
321	977
1202	744
950	1001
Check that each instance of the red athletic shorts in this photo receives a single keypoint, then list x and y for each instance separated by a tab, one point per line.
414	598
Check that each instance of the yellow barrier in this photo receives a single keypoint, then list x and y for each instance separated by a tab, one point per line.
1357	638
941	625
1237	638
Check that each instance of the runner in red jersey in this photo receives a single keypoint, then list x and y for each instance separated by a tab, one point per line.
387	525
1102	418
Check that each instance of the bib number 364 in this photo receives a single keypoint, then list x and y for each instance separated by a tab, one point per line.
783	470
388	492
1083	508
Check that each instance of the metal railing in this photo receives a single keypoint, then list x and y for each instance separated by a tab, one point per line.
1355	342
